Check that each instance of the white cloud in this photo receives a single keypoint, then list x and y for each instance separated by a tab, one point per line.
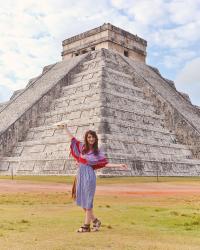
32	31
176	59
183	12
177	37
4	93
149	12
188	80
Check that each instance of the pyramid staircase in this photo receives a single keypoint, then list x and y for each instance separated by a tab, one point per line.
114	96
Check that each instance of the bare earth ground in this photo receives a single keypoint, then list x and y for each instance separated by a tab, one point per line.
136	189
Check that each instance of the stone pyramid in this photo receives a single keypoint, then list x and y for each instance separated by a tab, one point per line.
140	117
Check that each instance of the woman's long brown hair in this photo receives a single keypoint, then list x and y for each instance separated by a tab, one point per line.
86	144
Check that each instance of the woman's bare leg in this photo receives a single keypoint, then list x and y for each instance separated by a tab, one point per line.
89	216
92	215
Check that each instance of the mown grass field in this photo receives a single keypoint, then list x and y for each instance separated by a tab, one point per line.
48	221
107	180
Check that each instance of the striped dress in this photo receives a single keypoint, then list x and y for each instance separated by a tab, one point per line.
86	176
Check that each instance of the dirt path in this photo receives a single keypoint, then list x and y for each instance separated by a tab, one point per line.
136	189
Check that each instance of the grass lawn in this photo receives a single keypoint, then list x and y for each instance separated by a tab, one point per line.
48	221
107	180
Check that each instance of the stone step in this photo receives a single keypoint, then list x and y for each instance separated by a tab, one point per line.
77	127
92	82
28	155
114	65
123	157
62	166
90	115
37	167
79	94
123	88
112	156
133	129
145	147
76	123
45	141
152	155
106	94
108	72
127	101
90	107
86	96
85	66
138	104
72	91
134	116
122	142
133	143
115	80
80	87
75	116
138	129
115	76
170	95
164	154
143	131
59	108
103	61
156	167
166	141
46	144
86	75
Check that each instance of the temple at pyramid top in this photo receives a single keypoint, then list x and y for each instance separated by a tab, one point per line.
105	36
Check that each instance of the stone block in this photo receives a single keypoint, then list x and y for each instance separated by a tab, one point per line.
27	166
54	165
33	149
4	166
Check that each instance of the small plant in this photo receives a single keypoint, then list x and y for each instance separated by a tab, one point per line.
175	213
24	221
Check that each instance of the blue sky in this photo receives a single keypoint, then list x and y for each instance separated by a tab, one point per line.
32	32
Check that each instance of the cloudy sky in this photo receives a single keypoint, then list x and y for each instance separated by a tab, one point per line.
31	33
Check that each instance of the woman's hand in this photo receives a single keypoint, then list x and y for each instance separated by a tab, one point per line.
62	125
123	166
116	165
82	156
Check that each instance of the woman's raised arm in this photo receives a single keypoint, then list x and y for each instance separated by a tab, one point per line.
64	125
117	165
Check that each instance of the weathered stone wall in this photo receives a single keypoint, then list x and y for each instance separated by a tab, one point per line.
22	111
180	115
45	149
123	102
106	36
17	131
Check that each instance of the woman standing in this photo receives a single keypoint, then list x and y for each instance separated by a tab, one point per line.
89	158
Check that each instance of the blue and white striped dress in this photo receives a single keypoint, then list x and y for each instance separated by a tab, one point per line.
86	176
85	186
